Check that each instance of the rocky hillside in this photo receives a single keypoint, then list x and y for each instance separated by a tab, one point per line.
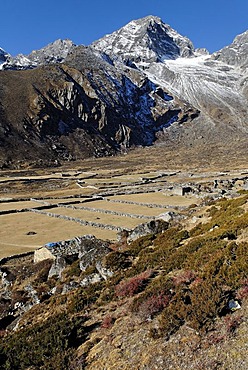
174	298
82	107
142	83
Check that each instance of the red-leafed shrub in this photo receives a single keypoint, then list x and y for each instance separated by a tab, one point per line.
107	322
184	277
215	338
242	292
132	286
153	305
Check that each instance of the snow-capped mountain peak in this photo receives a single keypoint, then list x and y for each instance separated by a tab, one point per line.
144	82
235	54
55	52
145	40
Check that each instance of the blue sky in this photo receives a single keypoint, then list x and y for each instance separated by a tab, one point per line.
31	24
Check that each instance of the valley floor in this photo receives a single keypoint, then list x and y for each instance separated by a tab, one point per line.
104	196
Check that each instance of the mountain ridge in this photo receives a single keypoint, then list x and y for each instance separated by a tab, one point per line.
141	84
140	37
54	52
146	21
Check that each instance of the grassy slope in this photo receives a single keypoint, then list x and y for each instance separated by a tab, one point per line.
165	307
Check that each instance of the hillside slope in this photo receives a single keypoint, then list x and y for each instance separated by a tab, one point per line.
83	107
176	299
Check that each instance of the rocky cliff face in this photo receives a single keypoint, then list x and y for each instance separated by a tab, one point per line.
235	54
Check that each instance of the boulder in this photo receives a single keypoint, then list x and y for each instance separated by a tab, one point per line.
233	305
92	251
167	216
57	267
152	227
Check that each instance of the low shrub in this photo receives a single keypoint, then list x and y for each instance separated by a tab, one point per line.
169	321
184	277
215	338
107	322
46	345
207	301
73	270
150	306
116	260
198	304
85	297
242	292
140	244
132	286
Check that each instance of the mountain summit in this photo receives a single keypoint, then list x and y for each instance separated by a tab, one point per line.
145	40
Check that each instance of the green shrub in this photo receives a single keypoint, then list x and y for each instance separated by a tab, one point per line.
116	260
138	245
169	321
73	270
207	301
46	345
85	297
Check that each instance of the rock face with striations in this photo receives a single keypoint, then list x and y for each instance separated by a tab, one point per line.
236	56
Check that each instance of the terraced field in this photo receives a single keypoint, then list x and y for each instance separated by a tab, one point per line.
41	206
29	222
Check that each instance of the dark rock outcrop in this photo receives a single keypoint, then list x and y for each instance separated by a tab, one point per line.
152	227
